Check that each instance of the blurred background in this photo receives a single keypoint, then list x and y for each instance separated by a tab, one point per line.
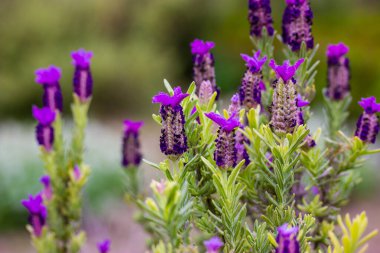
138	43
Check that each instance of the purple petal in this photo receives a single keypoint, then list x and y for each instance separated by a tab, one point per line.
201	47
285	230
301	102
44	115
34	204
336	50
213	244
254	63
132	126
227	124
285	71
49	75
81	58
104	246
166	99
369	105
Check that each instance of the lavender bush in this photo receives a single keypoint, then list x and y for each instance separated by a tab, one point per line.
248	178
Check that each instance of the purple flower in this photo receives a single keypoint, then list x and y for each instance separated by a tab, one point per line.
287	239
338	71
205	92
213	245
131	145
225	150
37	212
44	130
82	76
234	107
301	102
260	16
252	83
368	122
241	152
47	191
173	140
285	71
77	172
254	64
203	64
104	246
301	121
49	79
296	24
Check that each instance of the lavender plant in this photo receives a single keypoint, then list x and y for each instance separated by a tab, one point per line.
253	177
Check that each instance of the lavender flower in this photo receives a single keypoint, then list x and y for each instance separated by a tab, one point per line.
213	245
131	145
225	151
82	75
49	79
259	17
205	92
77	172
287	239
173	140
296	24
338	80
37	212
368	122
104	246
234	107
203	64
44	130
47	191
285	113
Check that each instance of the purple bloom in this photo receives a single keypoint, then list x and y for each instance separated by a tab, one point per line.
77	173
252	83
296	24
368	122
287	239
173	140
241	152
338	81
205	92
82	76
37	212
213	245
131	144
44	130
47	191
203	64
285	71
301	102
260	16
104	246
49	79
234	107
225	151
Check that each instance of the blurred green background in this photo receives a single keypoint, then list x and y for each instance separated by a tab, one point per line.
138	43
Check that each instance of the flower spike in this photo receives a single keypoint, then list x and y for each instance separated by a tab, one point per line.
49	79
287	239
37	213
131	144
82	81
368	123
260	17
44	129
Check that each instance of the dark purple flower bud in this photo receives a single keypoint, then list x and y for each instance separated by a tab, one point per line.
225	151
368	123
104	246
173	140
82	75
260	16
296	24
213	245
44	130
205	92
37	212
287	239
285	71
47	191
285	113
252	83
203	64
49	79
131	144
338	71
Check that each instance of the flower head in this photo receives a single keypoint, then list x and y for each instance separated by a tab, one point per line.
165	99
337	50
287	239
260	17
49	75
201	47
37	212
104	246
369	105
234	107
45	116
131	154
254	64
205	92
226	124
285	71
132	126
81	58
213	245
47	192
